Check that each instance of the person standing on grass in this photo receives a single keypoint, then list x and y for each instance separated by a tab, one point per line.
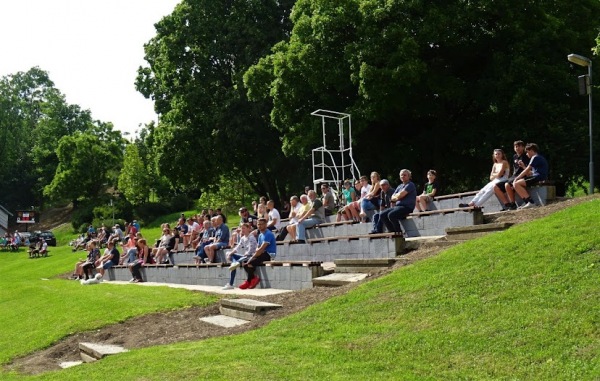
241	253
267	250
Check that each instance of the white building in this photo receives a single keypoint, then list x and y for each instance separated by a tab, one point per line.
4	215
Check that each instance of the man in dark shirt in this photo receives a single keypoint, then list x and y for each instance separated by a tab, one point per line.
405	199
536	171
520	162
385	200
110	259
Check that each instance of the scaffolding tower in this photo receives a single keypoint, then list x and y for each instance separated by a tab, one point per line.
334	165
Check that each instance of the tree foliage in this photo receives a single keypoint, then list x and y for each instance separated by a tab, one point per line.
195	77
88	164
133	180
430	81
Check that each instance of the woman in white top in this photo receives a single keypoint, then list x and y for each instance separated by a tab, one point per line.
500	172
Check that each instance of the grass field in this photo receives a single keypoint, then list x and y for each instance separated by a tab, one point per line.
517	305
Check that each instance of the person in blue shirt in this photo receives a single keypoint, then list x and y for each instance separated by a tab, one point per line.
267	250
536	171
405	199
220	239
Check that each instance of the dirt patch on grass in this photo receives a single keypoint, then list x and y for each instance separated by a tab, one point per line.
185	325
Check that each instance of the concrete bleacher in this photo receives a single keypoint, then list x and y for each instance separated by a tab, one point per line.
290	276
296	265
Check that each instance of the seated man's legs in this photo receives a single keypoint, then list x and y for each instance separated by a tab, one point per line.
381	218
521	189
392	220
500	191
302	226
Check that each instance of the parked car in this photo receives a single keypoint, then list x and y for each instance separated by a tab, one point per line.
48	236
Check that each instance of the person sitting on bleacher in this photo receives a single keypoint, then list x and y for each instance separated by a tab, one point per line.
109	259
220	240
204	239
536	171
267	250
241	253
245	217
520	162
327	199
274	218
348	197
314	216
405	198
295	210
370	201
142	257
429	191
160	252
352	210
303	210
500	172
35	247
385	200
86	266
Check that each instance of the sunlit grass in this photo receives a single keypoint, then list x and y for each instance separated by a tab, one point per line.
516	305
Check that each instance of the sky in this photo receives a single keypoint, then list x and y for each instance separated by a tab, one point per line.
91	50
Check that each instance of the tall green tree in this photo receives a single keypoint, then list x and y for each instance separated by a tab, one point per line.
195	77
88	165
134	180
426	81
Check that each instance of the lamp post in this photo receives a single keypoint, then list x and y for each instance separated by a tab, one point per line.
586	62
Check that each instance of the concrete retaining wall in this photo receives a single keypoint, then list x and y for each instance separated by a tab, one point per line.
282	277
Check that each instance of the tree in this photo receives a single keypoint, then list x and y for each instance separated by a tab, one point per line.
88	164
430	81
195	76
133	180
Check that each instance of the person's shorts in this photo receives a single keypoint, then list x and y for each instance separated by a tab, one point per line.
426	198
531	180
220	245
108	265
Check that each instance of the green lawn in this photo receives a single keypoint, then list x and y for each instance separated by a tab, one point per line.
517	305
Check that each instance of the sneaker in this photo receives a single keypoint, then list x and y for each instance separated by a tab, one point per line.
207	261
132	280
528	205
228	287
463	205
513	206
244	285
234	266
254	282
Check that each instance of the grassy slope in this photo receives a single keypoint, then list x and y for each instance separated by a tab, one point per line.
522	304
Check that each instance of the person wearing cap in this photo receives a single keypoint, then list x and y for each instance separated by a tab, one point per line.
117	233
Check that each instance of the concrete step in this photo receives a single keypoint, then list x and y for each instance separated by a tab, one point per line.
92	351
362	265
224	321
470	232
69	364
247	309
336	279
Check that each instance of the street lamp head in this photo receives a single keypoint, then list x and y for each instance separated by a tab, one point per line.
579	60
